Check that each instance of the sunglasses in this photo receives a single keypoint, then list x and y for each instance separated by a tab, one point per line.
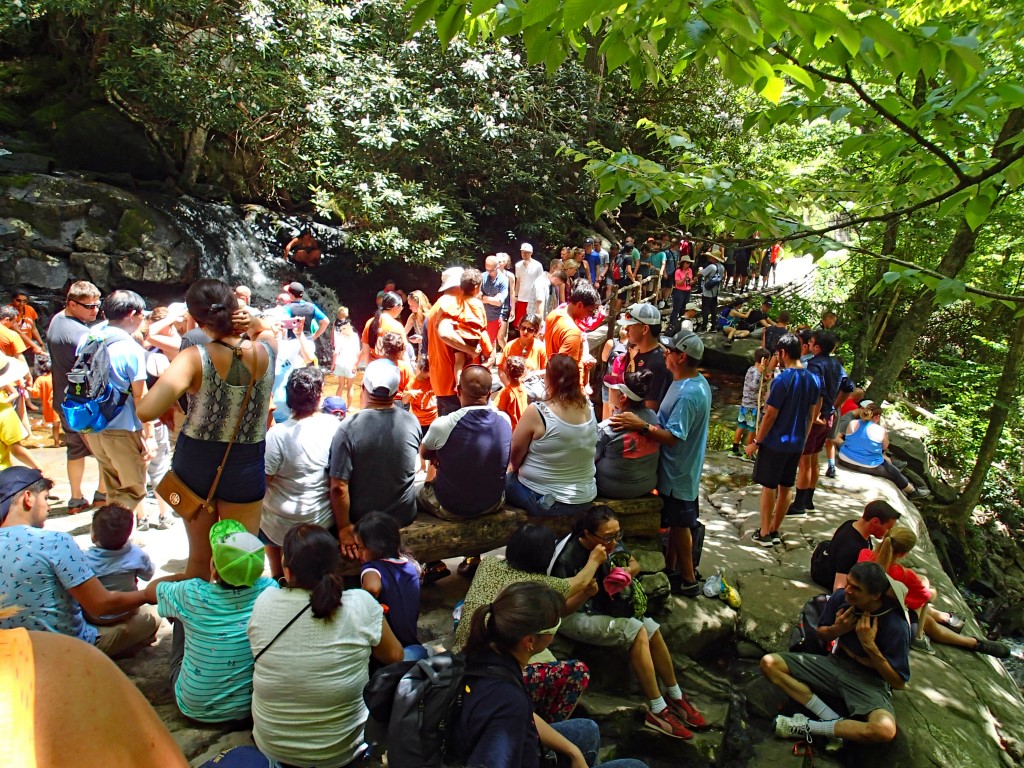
527	329
614	538
87	306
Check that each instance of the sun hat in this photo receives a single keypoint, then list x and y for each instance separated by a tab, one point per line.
237	554
526	247
11	369
450	278
693	305
648	314
381	378
686	257
13	481
716	254
686	341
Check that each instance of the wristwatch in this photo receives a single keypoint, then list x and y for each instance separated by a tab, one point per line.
755	441
646	429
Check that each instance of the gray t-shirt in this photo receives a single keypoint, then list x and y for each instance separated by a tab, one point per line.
62	339
707	272
627	462
376	452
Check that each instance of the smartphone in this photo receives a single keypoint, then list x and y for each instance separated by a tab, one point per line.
290	323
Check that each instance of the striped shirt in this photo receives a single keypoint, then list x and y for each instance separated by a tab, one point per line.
215	683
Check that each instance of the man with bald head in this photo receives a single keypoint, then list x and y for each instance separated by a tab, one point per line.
493	293
470	449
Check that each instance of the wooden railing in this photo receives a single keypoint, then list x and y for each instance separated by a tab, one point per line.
613	313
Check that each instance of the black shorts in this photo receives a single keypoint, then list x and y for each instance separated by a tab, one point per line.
775	468
679	513
816	438
77	449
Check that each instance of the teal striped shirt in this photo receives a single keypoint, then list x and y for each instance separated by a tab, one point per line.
215	683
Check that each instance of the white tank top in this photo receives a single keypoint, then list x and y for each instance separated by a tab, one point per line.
561	461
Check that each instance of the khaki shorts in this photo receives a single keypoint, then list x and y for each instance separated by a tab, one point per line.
119	454
115	639
598	629
429	503
861	689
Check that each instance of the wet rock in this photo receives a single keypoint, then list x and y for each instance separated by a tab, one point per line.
41	271
92	241
735	359
101	139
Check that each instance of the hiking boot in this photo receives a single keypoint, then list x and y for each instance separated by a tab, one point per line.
795	727
990	648
922	644
764	541
831	471
687	713
668	724
77	505
919	493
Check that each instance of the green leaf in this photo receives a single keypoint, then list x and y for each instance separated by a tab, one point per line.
798	74
838	114
698	31
450	23
977	210
425	10
773	89
1011	94
537	11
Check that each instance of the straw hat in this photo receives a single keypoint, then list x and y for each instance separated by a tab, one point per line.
11	369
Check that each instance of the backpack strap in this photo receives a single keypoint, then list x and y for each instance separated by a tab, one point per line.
283	629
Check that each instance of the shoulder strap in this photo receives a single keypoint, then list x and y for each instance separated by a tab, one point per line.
238	424
294	618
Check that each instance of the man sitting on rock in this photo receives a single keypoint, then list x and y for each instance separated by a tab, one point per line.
751	323
872	635
850	538
471	444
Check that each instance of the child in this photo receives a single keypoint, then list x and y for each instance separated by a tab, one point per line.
512	397
334	406
346	354
391	577
392	346
614	356
12	429
422	402
42	388
746	422
472	327
211	661
117	563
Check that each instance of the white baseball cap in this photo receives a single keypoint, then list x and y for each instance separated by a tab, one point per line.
526	247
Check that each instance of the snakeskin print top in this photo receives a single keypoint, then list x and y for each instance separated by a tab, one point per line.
213	410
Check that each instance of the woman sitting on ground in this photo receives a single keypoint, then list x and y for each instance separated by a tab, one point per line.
553	446
312	644
930	623
298	452
862	450
627	462
497	725
216	376
609	620
554	686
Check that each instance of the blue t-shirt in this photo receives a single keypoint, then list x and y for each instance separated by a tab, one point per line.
215	683
685	412
37	569
594	260
793	392
119	570
127	364
893	638
400	592
496	287
833	379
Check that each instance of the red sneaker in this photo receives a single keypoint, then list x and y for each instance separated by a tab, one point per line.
667	723
687	713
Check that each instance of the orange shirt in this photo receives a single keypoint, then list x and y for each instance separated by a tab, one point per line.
442	357
423	403
512	400
27	316
562	336
405	377
388	324
536	357
11	343
43	389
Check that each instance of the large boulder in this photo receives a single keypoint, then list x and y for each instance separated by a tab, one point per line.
101	139
735	359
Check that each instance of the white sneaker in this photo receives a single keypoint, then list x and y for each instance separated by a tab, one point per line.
795	727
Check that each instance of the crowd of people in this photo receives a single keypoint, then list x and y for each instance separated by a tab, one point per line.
483	398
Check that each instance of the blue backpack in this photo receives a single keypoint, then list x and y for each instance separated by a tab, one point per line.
91	402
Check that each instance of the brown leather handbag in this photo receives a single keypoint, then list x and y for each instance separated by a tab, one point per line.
172	489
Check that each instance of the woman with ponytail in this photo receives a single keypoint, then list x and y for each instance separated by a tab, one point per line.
312	644
497	727
931	624
553	448
385	320
216	377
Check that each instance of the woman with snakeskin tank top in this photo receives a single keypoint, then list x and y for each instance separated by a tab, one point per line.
215	377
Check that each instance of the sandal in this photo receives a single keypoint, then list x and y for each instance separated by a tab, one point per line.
435	571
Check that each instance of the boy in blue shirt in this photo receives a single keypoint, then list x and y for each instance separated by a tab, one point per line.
792	405
117	562
211	661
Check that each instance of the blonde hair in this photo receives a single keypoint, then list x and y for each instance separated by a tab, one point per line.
422	303
897	542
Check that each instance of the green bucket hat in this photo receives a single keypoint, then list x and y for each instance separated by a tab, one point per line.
237	554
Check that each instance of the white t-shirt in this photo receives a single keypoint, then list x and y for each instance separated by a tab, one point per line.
346	346
527	273
297	455
307	697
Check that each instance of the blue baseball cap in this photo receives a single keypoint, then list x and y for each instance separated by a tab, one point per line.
334	405
13	481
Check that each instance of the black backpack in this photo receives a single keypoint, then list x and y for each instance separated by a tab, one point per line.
415	707
90	401
823	572
804	637
716	279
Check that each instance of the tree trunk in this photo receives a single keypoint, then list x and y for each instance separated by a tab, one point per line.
871	306
193	157
899	350
1006	397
